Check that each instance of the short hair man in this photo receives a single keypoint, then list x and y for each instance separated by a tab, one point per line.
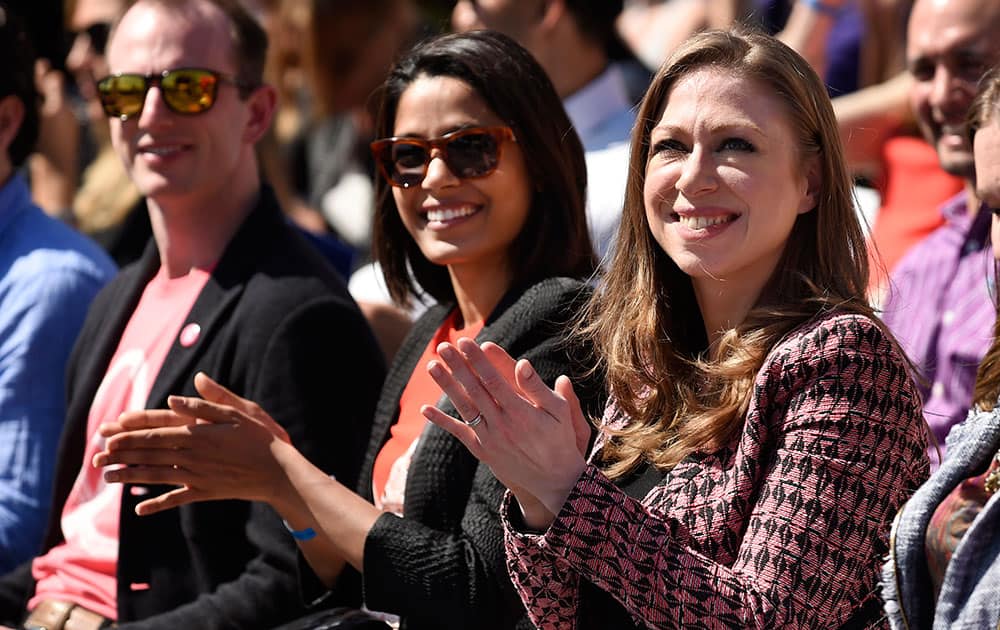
575	41
939	302
48	276
226	288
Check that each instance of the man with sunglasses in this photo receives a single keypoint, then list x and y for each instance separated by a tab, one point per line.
226	288
90	24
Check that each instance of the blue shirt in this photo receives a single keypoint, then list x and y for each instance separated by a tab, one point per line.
48	276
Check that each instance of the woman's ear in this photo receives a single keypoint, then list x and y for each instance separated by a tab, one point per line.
814	184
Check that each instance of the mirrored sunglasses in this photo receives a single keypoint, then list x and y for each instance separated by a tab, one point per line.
186	91
468	154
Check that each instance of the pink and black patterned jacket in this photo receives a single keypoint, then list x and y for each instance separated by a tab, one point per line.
784	528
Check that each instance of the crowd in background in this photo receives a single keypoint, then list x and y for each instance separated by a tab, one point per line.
755	427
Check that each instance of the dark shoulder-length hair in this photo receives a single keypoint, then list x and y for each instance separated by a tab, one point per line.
554	240
646	323
985	110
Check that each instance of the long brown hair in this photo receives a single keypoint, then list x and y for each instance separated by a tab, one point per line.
983	111
647	324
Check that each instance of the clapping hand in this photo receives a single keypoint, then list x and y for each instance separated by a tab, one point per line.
531	436
220	446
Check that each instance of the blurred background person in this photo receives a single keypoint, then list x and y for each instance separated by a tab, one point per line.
329	58
939	302
349	48
576	43
48	276
106	205
944	567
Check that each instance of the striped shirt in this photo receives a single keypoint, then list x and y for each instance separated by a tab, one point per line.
940	308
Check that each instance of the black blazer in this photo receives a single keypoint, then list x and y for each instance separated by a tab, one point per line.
443	565
278	327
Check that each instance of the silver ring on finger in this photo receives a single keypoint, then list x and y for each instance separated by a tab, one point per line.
475	421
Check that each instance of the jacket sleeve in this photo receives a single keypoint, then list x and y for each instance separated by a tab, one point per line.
848	446
320	372
458	579
443	579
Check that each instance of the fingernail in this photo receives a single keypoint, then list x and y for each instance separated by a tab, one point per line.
526	370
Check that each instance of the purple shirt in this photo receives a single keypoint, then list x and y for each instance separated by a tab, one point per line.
940	308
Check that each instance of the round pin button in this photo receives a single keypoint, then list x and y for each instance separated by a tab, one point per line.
190	334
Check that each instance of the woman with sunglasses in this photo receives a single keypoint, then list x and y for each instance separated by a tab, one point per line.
764	427
480	205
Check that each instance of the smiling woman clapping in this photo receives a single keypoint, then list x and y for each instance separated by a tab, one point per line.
763	427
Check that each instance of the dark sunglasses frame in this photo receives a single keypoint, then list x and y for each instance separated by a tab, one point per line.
106	93
381	148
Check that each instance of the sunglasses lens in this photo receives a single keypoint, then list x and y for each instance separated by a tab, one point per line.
122	95
189	91
407	163
468	154
473	154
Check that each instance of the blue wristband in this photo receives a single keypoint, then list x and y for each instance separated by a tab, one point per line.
821	7
300	534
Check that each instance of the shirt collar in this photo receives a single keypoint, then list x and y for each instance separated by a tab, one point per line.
976	228
955	210
597	101
14	197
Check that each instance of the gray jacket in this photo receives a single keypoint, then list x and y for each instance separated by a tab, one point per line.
970	591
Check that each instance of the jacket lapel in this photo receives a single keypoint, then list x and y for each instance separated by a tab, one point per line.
209	312
218	298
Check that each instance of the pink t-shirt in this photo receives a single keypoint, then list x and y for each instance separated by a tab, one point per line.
83	568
